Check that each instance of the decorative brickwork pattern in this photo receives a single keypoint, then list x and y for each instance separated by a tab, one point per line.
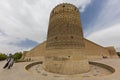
65	29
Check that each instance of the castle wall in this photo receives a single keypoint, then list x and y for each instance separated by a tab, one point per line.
37	52
112	52
92	51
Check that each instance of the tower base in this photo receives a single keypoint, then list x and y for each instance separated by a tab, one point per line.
67	61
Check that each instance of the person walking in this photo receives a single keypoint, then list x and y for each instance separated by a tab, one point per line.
10	62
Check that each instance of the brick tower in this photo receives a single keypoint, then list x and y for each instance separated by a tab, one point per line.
65	45
65	29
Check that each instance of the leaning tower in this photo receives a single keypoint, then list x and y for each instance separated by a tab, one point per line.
65	45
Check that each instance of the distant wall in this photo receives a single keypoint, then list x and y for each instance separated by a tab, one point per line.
94	51
112	51
91	51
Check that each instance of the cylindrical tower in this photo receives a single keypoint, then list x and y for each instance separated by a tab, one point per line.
65	29
65	45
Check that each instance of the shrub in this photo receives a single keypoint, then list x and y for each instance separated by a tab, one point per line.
17	56
3	56
118	53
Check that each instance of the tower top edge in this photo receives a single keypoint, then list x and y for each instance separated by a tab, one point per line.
61	4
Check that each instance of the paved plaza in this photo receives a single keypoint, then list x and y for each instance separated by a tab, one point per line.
18	72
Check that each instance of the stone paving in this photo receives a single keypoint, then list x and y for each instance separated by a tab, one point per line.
18	72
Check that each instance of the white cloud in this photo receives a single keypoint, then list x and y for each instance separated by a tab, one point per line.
105	29
107	37
20	19
109	15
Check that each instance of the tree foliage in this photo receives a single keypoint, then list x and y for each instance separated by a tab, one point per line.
3	56
17	55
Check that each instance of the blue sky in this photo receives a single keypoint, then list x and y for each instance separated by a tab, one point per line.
91	12
24	23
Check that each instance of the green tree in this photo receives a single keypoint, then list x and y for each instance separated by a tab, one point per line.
3	56
17	56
